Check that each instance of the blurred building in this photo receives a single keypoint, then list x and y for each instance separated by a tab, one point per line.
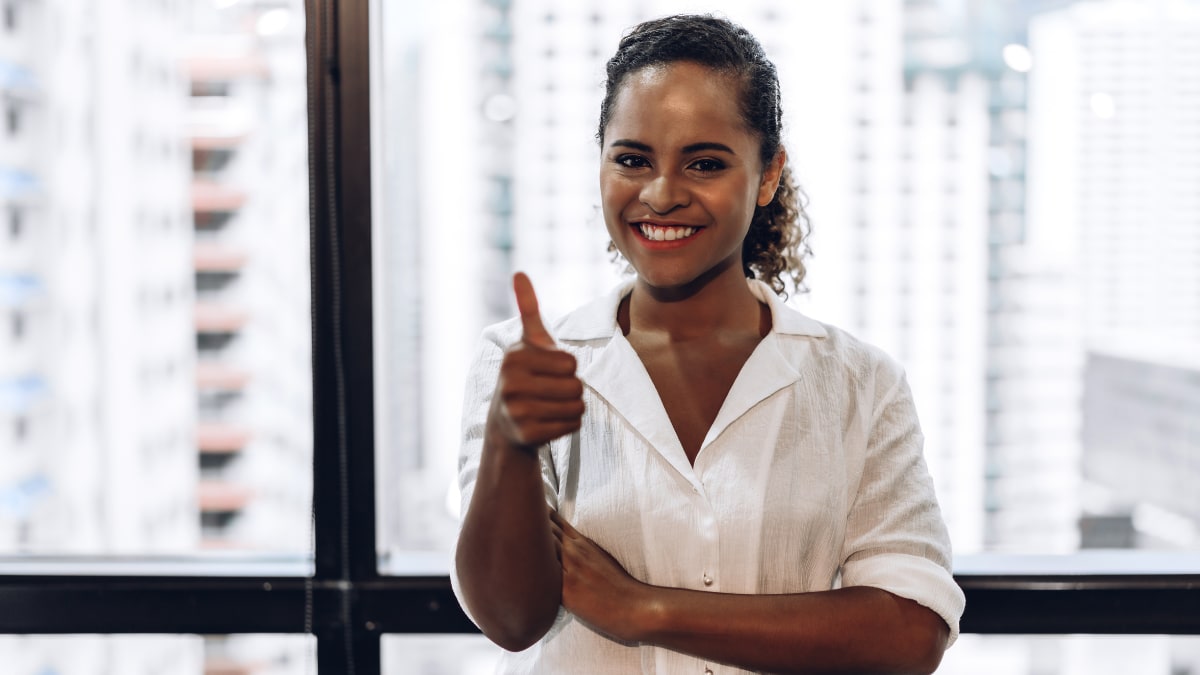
97	409
97	369
246	128
1116	123
1141	438
154	294
977	53
1126	137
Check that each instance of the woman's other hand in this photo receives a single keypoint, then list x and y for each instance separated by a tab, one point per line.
595	588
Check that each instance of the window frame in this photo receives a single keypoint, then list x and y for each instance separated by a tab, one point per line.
345	601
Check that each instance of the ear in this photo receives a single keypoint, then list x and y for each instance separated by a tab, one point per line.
770	177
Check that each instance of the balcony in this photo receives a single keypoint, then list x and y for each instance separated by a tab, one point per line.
218	497
217	258
215	67
209	197
221	377
217	141
219	318
218	439
225	667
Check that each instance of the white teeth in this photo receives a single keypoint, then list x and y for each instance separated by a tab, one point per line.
656	233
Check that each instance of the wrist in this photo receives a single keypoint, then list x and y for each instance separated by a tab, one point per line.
496	440
647	613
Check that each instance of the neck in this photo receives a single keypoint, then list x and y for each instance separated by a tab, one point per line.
706	308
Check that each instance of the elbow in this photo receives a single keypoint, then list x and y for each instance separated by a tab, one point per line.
927	663
920	639
517	631
516	638
926	645
514	615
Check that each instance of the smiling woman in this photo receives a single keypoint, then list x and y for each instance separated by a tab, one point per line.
686	473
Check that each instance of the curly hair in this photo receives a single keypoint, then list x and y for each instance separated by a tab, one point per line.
776	244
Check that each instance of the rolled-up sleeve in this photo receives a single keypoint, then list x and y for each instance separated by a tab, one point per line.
896	538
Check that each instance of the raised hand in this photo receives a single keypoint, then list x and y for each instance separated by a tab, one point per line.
538	396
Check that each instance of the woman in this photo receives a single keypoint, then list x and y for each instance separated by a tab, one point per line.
687	475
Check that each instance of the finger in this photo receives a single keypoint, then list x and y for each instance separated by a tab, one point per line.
566	527
535	332
550	388
540	434
544	387
540	360
529	411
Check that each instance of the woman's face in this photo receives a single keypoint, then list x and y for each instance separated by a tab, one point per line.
680	174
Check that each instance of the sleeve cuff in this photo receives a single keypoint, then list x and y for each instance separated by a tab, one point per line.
912	577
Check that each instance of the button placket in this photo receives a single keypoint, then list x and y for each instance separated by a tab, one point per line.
708	531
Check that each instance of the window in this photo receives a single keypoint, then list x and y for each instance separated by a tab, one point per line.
375	599
930	221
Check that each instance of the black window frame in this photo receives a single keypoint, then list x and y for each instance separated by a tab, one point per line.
346	603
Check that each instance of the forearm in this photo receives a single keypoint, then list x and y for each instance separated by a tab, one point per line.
851	630
506	556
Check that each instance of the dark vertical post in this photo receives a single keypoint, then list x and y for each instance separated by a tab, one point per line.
343	396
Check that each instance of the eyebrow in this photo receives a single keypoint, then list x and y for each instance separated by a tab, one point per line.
687	149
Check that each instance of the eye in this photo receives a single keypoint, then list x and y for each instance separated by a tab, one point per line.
632	161
707	165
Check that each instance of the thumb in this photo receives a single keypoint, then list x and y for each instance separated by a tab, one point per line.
531	319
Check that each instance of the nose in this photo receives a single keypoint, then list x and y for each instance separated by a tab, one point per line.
664	193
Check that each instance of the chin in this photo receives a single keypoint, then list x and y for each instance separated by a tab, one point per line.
668	281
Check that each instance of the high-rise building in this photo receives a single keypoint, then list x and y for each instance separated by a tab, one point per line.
249	199
1115	142
153	252
97	407
1122	136
97	290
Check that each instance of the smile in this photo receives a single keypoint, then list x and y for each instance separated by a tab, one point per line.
658	233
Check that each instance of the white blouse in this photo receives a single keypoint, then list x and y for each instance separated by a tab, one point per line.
810	478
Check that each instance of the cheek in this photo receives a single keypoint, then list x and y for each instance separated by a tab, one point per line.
614	196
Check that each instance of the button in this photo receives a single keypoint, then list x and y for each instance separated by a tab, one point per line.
707	580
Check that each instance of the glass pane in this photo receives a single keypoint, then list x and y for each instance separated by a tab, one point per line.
439	655
154	302
1002	197
1072	655
158	655
971	655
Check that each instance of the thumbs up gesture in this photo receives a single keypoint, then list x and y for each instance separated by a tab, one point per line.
538	396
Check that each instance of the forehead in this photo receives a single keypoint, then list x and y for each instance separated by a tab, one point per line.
678	96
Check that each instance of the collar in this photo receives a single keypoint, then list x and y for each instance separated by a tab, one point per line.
598	319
